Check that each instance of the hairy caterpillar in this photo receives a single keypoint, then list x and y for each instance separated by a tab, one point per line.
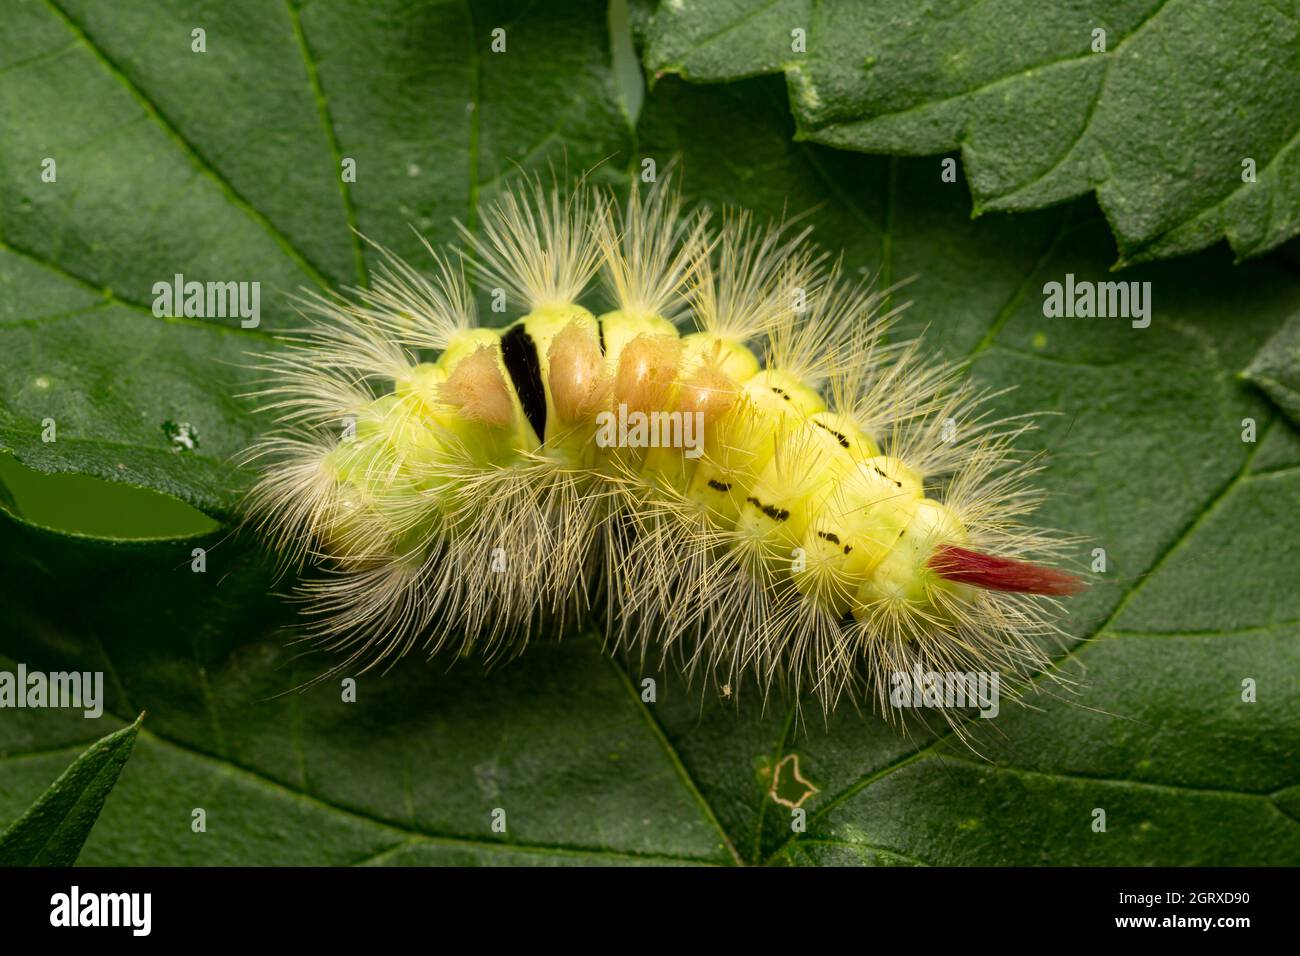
833	512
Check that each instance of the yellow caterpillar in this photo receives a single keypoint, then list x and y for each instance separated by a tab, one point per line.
771	490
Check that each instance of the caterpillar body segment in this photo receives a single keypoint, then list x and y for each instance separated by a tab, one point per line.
730	464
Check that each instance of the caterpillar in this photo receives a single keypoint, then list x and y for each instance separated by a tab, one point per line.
733	467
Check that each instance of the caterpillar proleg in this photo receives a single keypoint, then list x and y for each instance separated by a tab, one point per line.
733	467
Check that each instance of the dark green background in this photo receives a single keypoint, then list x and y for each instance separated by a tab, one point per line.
225	165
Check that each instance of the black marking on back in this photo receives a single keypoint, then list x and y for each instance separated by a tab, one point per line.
834	538
780	391
839	436
600	335
719	485
882	474
519	355
772	511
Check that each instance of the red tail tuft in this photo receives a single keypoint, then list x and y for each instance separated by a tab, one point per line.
1000	574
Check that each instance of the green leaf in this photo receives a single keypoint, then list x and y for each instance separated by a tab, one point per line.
52	831
1159	124
226	166
1276	368
1145	457
411	772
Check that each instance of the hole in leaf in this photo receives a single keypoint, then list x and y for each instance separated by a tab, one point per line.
104	509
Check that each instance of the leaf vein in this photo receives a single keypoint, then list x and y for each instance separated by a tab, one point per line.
200	161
